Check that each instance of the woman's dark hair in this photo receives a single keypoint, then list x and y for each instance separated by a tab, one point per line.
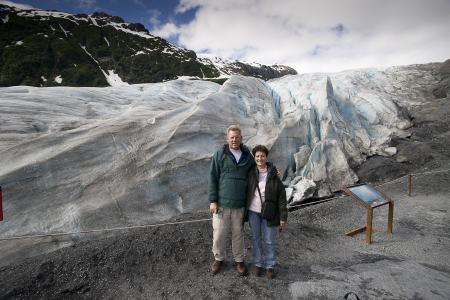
260	148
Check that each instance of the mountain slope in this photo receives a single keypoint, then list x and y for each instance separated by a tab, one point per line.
50	48
228	67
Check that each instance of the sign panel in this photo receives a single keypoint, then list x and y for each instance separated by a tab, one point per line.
368	195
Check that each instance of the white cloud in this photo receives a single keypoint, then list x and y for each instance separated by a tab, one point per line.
319	35
154	17
137	2
169	30
85	4
18	5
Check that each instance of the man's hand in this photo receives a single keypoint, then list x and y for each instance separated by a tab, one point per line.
214	208
282	223
279	174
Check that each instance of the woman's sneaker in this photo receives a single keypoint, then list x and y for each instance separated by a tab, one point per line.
257	270
270	273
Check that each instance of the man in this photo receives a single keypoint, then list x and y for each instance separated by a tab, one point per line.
227	194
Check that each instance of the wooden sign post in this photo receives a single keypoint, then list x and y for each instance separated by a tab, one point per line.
409	185
370	198
1	207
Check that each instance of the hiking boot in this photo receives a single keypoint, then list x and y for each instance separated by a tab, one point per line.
270	273
257	271
215	267
242	270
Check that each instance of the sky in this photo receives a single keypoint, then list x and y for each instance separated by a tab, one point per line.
307	35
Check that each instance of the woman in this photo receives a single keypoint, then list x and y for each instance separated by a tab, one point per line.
264	176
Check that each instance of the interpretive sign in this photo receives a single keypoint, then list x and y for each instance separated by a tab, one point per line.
368	195
370	198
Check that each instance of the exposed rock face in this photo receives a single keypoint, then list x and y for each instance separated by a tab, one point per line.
138	27
4	12
106	17
78	159
228	67
269	72
443	73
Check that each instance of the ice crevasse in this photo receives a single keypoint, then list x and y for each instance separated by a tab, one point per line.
339	126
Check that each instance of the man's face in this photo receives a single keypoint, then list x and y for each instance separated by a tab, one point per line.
234	140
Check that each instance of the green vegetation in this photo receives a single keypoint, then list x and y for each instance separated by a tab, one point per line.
30	50
33	49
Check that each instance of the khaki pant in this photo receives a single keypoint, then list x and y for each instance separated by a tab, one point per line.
222	222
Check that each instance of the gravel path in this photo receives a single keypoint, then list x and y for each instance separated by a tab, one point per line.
315	259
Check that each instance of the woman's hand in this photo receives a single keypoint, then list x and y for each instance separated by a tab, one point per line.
282	223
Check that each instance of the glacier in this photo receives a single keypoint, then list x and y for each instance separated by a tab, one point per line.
77	159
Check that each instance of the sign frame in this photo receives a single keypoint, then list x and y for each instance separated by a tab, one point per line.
370	208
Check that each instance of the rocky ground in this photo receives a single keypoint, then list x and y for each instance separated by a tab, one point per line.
315	259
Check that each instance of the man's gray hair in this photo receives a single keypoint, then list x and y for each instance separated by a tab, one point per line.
234	128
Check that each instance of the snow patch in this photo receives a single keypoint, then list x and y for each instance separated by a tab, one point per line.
84	48
94	21
118	26
58	79
187	77
220	63
168	51
114	79
65	32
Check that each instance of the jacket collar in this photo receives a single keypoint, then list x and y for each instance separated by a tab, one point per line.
226	149
245	152
271	170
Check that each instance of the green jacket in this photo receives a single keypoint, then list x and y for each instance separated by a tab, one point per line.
227	183
275	192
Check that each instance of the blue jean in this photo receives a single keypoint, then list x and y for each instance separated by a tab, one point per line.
256	222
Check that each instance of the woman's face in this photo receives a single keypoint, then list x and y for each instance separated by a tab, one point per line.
260	159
